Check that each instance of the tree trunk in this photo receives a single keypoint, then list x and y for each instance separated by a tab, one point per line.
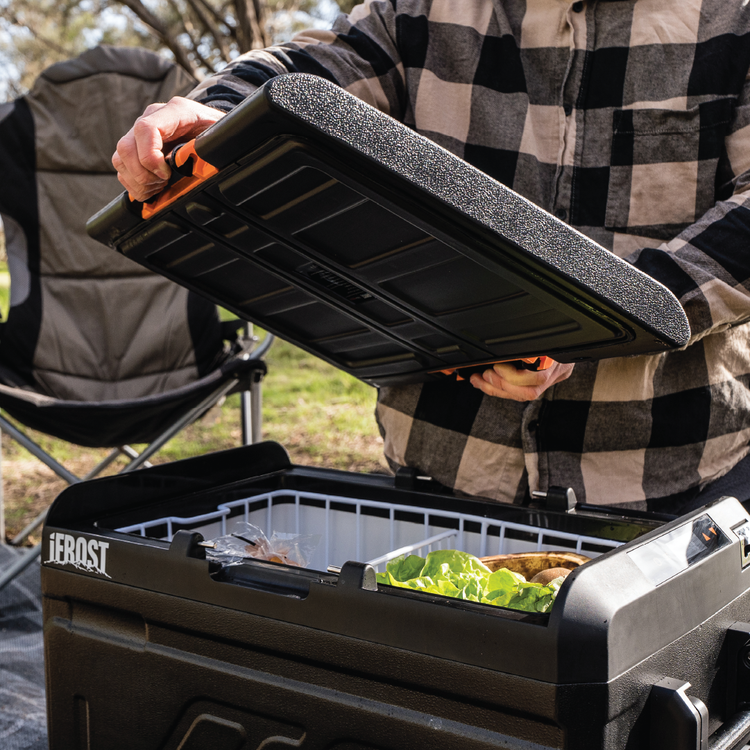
250	25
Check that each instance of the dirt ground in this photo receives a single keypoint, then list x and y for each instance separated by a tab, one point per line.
28	488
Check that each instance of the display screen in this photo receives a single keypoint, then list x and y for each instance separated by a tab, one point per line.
670	554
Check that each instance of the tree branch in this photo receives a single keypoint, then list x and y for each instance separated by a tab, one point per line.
224	9
162	31
211	28
194	35
46	41
250	33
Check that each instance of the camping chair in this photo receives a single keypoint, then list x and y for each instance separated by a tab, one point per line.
96	350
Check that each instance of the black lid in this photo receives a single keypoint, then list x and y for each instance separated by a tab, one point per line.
338	228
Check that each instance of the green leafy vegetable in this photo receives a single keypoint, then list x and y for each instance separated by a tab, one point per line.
403	568
464	576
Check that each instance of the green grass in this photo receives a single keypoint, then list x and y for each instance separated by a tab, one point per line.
320	414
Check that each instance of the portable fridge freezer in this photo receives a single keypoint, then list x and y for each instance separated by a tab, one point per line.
150	645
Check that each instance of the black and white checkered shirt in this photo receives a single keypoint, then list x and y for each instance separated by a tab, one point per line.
630	120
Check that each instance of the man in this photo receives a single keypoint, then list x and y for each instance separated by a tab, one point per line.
630	120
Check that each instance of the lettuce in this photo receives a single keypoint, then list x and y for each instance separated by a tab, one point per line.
405	567
464	576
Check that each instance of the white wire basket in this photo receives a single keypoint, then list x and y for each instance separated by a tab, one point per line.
371	531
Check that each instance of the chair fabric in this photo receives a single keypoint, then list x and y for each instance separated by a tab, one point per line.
109	424
96	349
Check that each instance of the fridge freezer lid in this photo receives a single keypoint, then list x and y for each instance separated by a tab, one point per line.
336	227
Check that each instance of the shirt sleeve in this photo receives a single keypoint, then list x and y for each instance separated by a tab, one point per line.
707	266
359	54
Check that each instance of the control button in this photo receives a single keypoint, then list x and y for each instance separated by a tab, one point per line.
743	533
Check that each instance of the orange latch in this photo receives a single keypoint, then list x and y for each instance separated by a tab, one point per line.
527	363
184	161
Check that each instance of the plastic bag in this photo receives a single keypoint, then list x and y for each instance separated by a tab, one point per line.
249	541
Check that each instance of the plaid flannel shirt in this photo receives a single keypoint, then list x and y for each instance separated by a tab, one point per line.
629	119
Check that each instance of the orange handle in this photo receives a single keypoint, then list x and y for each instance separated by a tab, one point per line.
184	161
541	363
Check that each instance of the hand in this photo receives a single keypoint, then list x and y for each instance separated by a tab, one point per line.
139	159
506	381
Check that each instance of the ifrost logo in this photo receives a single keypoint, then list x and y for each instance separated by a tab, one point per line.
78	551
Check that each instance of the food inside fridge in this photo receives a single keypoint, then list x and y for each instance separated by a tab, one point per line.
434	551
463	576
249	541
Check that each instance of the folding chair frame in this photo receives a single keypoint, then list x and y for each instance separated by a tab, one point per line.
250	410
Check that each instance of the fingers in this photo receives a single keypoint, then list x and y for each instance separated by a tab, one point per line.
149	137
506	381
139	158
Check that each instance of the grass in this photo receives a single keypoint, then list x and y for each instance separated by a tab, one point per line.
322	416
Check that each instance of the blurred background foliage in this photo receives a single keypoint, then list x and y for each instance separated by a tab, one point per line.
200	35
